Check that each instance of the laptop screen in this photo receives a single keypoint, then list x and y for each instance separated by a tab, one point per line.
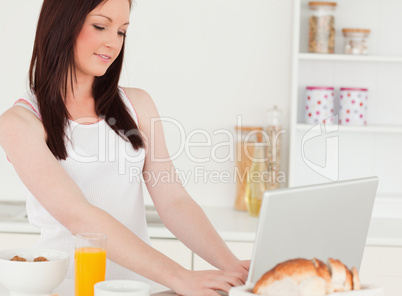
324	221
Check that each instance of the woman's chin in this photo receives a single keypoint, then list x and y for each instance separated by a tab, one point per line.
99	73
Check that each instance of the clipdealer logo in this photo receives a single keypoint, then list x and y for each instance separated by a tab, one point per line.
329	132
211	155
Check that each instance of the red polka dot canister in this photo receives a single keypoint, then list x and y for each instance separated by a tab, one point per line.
319	104
353	106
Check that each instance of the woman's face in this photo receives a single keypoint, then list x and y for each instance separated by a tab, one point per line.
101	38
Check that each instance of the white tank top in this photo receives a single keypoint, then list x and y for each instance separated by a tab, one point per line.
108	171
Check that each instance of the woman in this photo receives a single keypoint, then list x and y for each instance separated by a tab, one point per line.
76	139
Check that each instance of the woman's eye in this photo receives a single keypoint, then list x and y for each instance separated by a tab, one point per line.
99	28
122	34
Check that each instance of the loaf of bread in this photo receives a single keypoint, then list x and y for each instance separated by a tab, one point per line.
356	279
303	277
340	275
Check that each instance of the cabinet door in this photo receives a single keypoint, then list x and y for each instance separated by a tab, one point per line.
17	240
242	250
380	267
175	250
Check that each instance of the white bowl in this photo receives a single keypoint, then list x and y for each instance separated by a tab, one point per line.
122	287
32	278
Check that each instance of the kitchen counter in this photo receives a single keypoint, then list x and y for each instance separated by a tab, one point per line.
232	225
238	226
66	288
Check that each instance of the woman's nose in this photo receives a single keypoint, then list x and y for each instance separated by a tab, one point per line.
112	41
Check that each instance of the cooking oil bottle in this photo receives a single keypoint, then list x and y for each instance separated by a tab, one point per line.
257	180
247	137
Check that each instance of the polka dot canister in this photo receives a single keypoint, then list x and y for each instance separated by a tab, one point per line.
353	106
319	105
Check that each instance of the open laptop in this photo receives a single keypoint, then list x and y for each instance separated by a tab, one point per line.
324	221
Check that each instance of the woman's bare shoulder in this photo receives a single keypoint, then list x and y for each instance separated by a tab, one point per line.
18	121
142	103
137	95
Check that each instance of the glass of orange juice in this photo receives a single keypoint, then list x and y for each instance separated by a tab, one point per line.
90	262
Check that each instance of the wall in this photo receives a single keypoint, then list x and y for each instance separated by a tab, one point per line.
205	63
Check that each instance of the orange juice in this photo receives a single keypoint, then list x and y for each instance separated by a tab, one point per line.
90	267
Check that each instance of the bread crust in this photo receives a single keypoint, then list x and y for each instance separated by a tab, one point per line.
349	280
311	274
356	279
298	269
323	272
341	276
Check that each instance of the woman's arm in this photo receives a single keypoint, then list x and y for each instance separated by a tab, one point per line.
23	138
177	210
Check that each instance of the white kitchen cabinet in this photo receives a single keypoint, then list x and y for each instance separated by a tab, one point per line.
337	152
17	240
380	266
242	250
175	250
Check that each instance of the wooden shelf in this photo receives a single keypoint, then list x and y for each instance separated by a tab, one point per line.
388	129
349	58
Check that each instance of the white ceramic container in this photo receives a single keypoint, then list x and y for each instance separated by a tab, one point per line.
319	105
353	106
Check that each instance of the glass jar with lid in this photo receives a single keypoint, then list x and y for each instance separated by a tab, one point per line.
322	27
356	41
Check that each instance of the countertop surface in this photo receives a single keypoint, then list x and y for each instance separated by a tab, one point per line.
66	288
232	225
235	225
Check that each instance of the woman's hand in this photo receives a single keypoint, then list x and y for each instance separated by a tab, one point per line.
242	267
206	282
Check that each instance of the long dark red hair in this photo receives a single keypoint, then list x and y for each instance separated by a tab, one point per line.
59	25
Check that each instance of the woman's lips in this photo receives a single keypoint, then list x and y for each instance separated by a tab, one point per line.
104	58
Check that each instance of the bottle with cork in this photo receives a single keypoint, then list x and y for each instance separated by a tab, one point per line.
273	147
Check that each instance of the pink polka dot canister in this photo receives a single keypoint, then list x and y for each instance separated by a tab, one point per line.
353	106
319	104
